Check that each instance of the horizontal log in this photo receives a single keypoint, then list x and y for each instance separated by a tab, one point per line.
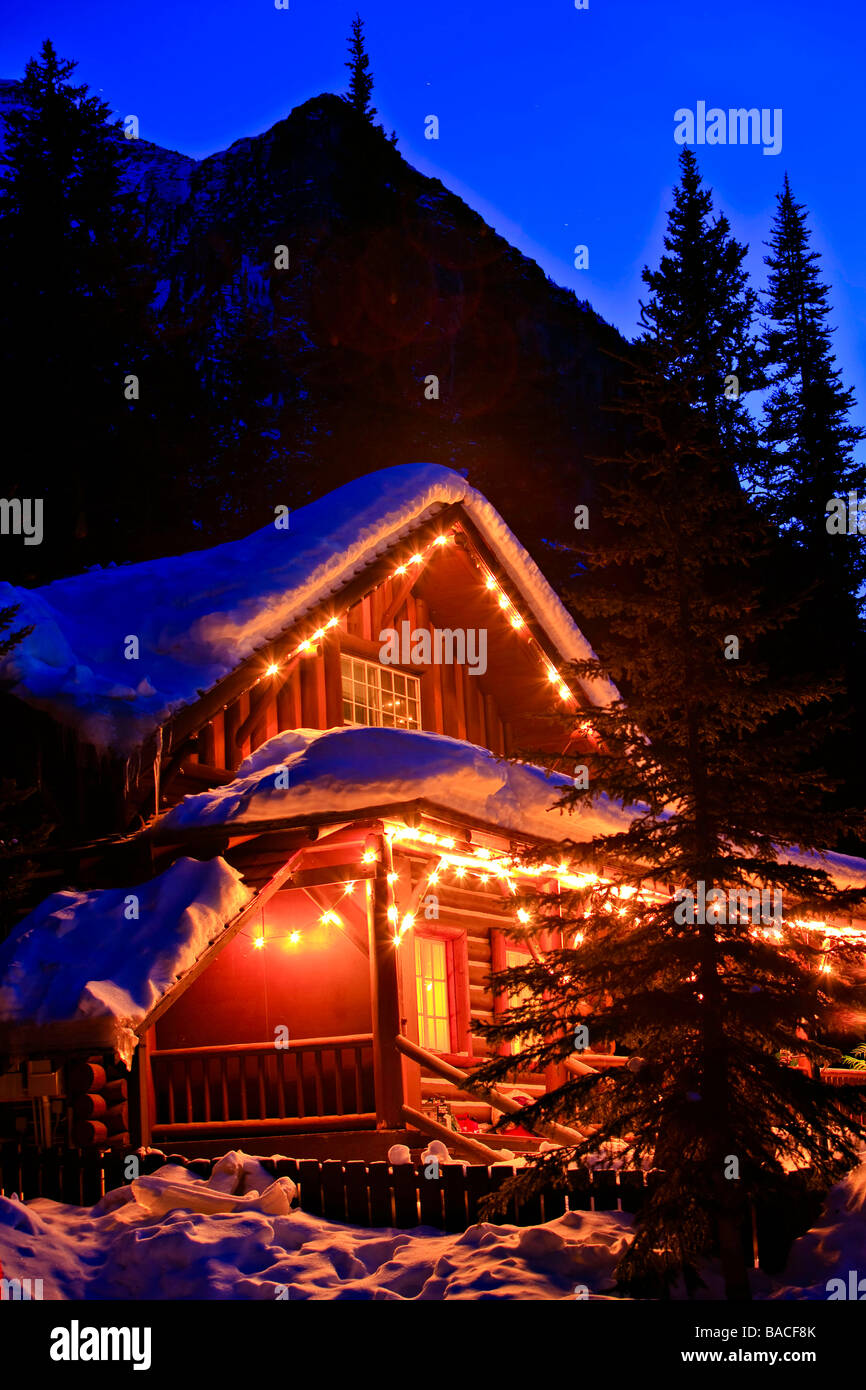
481	998
559	1133
337	873
308	1124
295	1045
116	1121
89	1106
479	952
499	918
89	1132
114	1092
85	1076
479	973
479	1152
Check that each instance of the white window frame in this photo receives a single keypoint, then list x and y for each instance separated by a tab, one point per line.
373	673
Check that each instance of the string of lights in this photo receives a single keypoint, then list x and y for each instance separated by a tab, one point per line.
484	864
491	584
478	861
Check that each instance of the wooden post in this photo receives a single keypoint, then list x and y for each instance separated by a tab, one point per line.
384	1002
145	1088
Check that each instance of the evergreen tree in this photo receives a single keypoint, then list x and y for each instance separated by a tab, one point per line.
74	322
361	79
809	436
806	460
713	778
700	311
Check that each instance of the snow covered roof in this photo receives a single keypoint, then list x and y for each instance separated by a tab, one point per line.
198	616
108	955
352	769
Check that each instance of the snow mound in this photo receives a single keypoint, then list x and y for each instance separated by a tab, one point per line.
112	953
349	768
126	1248
238	1184
833	1249
129	1248
198	616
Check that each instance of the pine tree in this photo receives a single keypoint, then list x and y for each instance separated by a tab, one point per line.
74	317
809	436
807	459
361	80
700	312
715	783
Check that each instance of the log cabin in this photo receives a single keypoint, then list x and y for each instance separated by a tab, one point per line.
297	844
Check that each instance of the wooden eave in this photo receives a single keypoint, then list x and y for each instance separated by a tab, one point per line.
189	720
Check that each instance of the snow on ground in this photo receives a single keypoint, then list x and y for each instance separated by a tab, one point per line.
124	1248
114	952
349	768
159	1237
835	1248
198	616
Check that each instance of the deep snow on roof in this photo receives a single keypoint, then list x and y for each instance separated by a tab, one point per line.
198	616
307	771
112	953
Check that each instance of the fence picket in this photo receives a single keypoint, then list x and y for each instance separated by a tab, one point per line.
378	1195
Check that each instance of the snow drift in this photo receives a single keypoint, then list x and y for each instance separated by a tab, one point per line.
162	1238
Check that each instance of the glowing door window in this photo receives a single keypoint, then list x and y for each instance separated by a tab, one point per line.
431	980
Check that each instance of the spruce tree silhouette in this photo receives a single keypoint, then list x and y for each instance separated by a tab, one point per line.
361	79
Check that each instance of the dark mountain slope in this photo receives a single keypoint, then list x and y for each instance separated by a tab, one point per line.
310	375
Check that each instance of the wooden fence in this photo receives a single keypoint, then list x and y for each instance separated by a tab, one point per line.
354	1191
379	1195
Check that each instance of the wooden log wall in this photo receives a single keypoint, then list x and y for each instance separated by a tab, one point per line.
98	1101
310	694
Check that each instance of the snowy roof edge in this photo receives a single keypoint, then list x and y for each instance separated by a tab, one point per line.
206	619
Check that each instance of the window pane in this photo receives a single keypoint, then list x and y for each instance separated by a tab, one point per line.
431	981
376	695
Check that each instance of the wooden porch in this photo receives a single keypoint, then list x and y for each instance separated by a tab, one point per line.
312	1084
342	1093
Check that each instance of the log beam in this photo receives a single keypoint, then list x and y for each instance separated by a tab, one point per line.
384	1002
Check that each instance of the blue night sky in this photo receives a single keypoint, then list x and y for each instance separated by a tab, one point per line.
555	124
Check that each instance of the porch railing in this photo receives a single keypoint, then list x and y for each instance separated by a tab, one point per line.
308	1084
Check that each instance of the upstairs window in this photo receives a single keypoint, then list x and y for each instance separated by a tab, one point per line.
378	695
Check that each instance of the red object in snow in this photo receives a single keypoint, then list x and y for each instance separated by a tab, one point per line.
519	1129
